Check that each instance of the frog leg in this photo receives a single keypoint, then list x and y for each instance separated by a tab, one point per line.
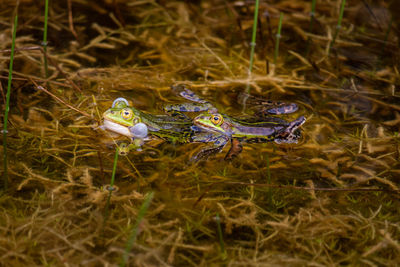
219	141
278	108
189	107
199	104
290	134
236	149
181	90
267	106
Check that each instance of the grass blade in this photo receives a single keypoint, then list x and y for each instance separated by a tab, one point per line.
387	35
252	51
46	11
269	192
110	188
135	229
311	27
221	239
8	104
338	26
253	38
278	37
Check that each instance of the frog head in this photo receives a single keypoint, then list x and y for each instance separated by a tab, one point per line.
213	122
121	113
120	118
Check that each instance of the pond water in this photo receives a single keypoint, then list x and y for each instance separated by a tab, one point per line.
330	199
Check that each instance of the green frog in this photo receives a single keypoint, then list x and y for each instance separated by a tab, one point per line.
129	121
211	127
216	128
223	128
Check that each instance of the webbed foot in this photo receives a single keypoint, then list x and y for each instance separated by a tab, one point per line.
205	153
291	134
234	151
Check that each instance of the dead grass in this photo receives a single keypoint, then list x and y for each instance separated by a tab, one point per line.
60	163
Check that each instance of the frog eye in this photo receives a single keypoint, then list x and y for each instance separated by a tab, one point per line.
217	119
126	113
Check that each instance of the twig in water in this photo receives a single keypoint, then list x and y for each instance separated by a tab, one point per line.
62	101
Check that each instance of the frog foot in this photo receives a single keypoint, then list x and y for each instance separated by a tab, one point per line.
205	153
290	134
234	151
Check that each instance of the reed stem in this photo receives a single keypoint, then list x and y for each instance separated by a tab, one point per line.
46	11
221	239
111	187
253	38
252	51
338	26
5	160
387	35
311	27
278	38
135	230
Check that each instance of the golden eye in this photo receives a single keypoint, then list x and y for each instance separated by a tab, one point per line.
217	119
126	113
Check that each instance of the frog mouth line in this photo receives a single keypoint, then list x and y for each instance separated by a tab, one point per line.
206	127
117	128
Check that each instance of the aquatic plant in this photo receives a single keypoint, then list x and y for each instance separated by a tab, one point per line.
278	38
220	237
311	26
338	26
252	47
7	107
110	187
135	229
44	43
253	36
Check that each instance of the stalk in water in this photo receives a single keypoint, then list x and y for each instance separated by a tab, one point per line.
252	45
310	30
221	239
46	11
8	104
338	26
135	229
111	186
278	37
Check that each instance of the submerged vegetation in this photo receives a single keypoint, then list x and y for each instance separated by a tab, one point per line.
331	199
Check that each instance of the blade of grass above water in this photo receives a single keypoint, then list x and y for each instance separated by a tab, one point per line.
252	45
135	229
220	236
311	27
111	187
338	26
253	38
8	103
278	38
46	11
